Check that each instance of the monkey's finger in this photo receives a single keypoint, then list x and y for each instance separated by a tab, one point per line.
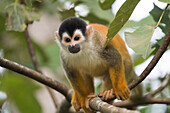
111	94
104	94
107	95
117	96
127	93
123	95
87	103
91	96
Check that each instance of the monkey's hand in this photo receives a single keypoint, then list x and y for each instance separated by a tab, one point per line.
120	95
79	102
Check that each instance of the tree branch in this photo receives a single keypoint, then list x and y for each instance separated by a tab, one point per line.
31	51
97	104
35	63
36	76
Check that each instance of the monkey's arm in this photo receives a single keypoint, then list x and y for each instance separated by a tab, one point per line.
117	73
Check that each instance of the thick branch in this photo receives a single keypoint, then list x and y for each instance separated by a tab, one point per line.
36	76
98	104
142	101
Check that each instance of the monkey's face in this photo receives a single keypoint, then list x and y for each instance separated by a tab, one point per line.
72	34
73	43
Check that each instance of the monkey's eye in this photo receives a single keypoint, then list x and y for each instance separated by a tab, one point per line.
76	38
67	40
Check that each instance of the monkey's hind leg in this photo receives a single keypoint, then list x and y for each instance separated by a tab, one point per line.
107	89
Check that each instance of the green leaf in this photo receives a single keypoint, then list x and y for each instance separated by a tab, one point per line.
165	23
15	20
165	1
168	109
95	9
21	91
18	16
133	24
92	18
106	4
139	40
28	3
122	17
67	13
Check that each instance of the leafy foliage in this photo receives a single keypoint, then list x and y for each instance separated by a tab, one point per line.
18	16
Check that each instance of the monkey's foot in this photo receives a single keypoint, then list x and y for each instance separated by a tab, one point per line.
89	97
122	94
79	101
108	94
75	103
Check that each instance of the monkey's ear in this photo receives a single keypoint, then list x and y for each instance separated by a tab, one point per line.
57	37
89	31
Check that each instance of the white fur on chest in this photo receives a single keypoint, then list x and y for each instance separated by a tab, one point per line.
87	61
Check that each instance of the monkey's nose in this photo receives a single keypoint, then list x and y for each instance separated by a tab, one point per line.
74	49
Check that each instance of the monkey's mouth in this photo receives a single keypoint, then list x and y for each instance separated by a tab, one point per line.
74	49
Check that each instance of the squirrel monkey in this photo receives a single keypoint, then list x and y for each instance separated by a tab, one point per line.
84	57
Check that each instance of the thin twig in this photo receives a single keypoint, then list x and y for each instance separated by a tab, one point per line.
31	51
161	16
163	85
36	65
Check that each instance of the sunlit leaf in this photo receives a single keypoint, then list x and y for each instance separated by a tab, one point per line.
133	24
139	40
106	4
21	91
122	17
166	1
156	13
